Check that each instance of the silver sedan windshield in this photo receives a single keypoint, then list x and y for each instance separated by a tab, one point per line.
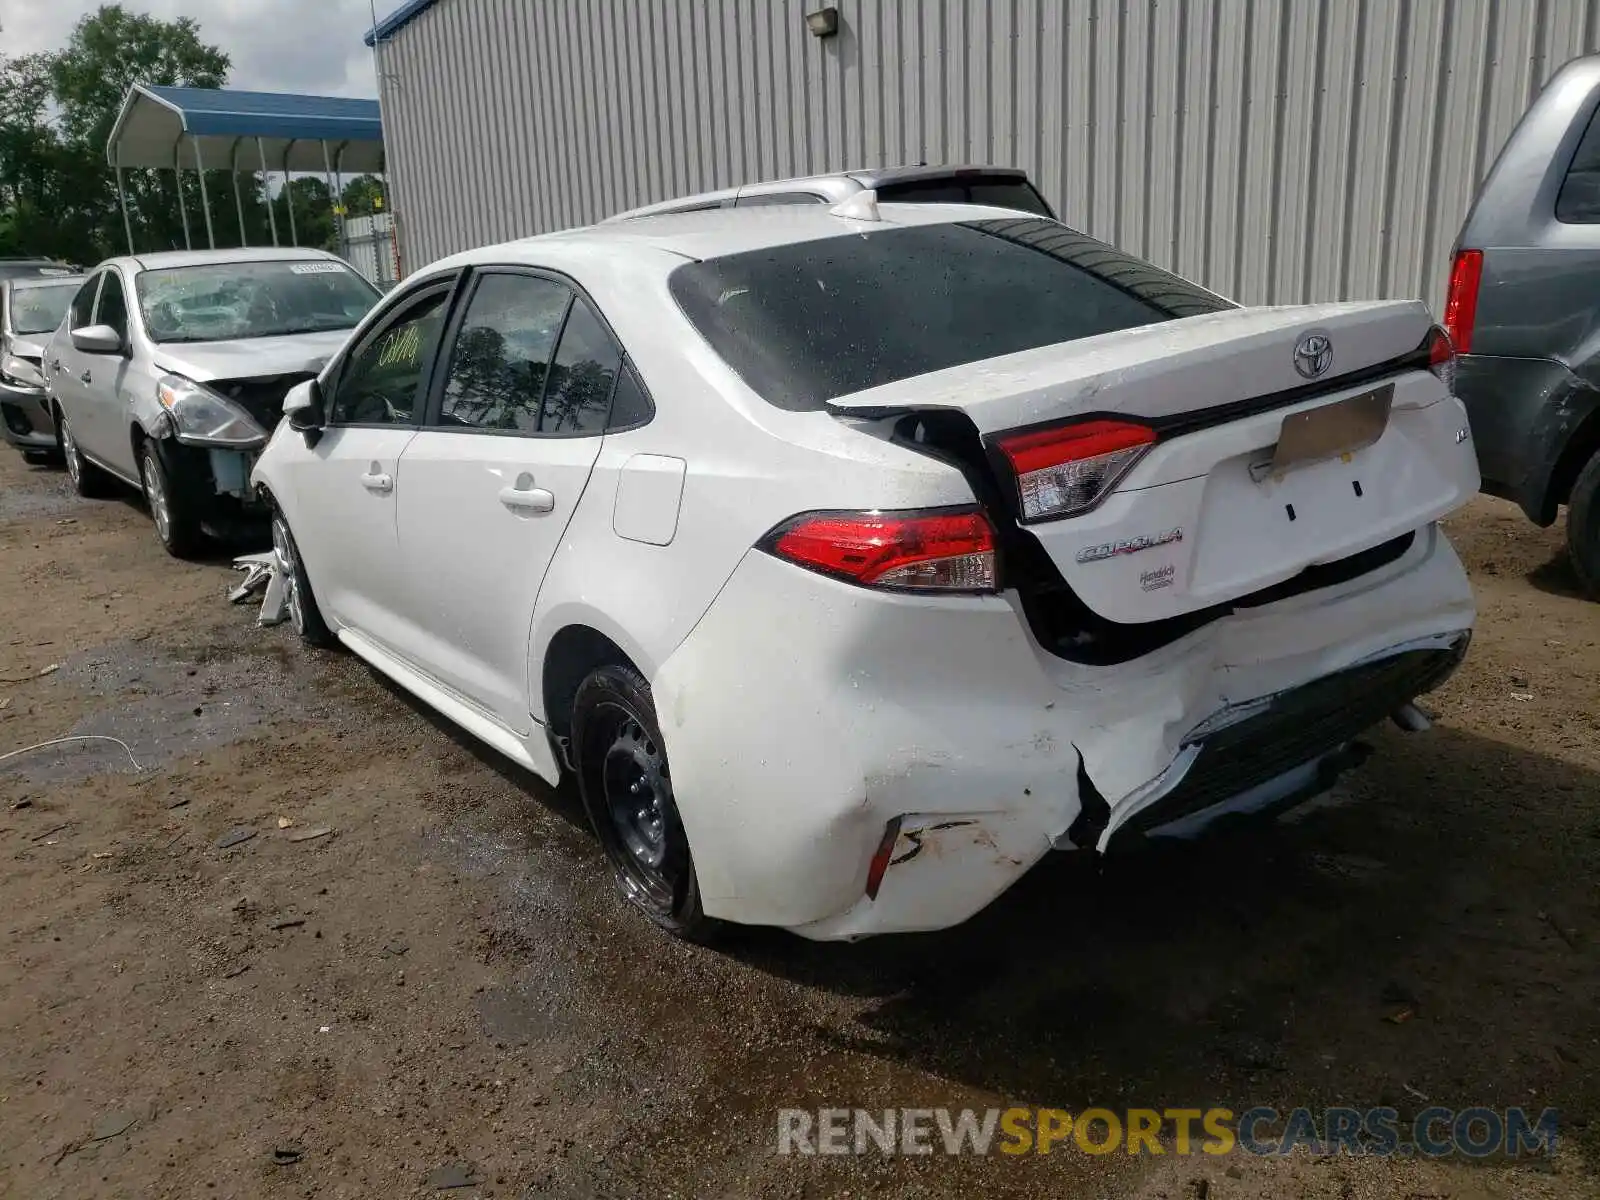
221	302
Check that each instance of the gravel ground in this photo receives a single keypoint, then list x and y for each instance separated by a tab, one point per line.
443	989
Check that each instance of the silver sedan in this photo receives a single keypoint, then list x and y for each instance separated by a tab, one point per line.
169	374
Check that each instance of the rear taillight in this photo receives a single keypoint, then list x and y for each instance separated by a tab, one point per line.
1442	358
1461	303
1071	468
948	550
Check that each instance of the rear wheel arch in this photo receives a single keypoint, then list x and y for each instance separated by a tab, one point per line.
1583	445
574	653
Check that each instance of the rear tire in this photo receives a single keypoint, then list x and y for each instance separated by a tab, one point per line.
626	787
1583	528
304	614
88	480
177	523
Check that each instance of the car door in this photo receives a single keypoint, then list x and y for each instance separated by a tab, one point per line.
344	490
64	362
104	431
513	431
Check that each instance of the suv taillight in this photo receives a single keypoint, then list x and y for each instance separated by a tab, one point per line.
1071	468
939	550
1461	302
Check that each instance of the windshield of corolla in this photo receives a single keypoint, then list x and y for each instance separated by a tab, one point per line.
222	302
806	322
39	308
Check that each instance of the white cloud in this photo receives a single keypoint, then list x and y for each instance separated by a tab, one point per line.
311	46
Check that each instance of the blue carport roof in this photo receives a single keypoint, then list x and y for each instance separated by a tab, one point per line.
156	122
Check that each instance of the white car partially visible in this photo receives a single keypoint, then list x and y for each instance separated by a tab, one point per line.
856	559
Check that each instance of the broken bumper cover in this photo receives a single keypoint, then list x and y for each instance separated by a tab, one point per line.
25	418
803	715
1267	752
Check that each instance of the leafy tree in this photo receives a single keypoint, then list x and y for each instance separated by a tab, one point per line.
363	196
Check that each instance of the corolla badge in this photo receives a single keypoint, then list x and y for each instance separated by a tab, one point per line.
1313	355
1133	545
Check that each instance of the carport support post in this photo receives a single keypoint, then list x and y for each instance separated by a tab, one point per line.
183	209
333	196
122	199
266	185
288	196
238	201
205	200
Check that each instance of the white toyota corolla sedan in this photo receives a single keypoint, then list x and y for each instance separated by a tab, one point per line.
855	559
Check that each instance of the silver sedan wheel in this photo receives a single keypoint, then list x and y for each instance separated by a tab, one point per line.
69	448
155	493
288	572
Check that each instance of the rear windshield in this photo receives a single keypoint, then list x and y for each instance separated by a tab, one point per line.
40	309
808	322
217	302
998	191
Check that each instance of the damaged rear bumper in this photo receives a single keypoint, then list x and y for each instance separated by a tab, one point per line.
944	715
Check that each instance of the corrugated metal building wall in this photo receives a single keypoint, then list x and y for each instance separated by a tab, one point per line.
1274	150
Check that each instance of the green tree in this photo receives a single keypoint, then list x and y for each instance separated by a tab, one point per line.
109	51
363	196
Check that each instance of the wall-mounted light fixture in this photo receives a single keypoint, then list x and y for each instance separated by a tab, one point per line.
823	23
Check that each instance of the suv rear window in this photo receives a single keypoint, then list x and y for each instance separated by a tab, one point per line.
1578	202
998	191
807	322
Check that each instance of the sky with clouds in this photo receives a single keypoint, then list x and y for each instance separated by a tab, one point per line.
311	46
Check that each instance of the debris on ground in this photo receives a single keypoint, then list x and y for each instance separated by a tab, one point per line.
306	835
287	923
112	1124
284	1156
285	822
451	1176
240	833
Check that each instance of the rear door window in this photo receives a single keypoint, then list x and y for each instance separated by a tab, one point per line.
578	399
999	191
1579	200
766	198
807	322
502	354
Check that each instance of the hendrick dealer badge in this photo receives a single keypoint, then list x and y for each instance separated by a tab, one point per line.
1132	545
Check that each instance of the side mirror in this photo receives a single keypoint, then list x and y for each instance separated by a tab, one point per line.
97	339
303	406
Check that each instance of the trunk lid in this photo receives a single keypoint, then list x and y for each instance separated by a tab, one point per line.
1215	510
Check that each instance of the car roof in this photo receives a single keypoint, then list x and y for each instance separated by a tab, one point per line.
835	185
161	260
713	233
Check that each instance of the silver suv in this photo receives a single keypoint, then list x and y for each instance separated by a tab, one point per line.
1003	187
1522	312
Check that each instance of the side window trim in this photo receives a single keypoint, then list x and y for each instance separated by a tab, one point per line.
108	278
98	279
394	313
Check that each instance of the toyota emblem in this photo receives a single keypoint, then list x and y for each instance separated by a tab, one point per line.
1313	355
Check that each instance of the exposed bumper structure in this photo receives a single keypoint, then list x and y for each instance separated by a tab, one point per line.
861	708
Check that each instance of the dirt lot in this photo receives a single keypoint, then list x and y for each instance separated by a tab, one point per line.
445	979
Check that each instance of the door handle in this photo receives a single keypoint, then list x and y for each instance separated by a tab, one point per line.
377	481
86	377
528	499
